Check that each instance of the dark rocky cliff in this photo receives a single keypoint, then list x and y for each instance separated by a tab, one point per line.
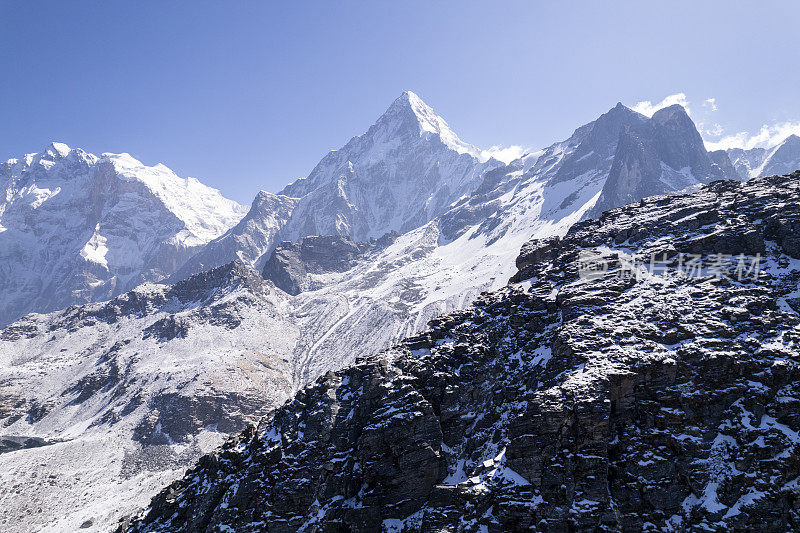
290	263
581	397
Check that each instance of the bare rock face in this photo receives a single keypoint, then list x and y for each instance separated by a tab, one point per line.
591	394
291	263
661	155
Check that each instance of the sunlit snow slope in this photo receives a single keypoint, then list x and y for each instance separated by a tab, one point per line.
77	228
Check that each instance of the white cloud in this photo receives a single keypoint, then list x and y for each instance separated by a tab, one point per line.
767	136
647	108
507	154
715	130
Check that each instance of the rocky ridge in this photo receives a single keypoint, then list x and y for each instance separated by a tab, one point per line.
621	400
250	241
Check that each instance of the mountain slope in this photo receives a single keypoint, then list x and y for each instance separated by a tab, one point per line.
125	394
403	172
250	241
340	298
77	228
565	401
783	158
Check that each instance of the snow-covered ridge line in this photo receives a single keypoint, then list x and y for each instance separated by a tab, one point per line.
782	158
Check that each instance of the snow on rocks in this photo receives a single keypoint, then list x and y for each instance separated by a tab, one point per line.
664	403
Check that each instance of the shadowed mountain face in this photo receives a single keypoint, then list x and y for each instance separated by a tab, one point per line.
291	263
784	158
565	401
663	154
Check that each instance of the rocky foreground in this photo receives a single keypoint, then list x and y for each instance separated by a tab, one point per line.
592	393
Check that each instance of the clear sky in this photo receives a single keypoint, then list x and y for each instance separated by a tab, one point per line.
250	95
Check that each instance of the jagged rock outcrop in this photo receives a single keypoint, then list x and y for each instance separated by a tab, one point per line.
593	393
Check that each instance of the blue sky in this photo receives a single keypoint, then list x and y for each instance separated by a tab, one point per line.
248	96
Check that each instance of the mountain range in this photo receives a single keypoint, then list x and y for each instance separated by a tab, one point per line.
167	317
78	228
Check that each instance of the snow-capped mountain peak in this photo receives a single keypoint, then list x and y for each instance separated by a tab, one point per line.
405	170
46	158
58	148
409	112
783	158
76	228
198	206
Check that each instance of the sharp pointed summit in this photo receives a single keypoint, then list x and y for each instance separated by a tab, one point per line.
404	171
409	103
409	114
